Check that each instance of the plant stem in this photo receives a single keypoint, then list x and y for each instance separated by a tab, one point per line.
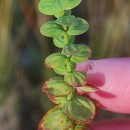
66	37
69	67
66	40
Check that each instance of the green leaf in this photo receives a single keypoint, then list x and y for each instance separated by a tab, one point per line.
63	69
75	79
57	90
60	5
62	13
57	7
77	52
46	7
80	109
55	60
67	12
88	89
81	127
80	26
59	63
56	119
59	100
66	20
66	4
72	4
60	42
52	29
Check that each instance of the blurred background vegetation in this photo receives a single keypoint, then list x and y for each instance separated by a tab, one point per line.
23	50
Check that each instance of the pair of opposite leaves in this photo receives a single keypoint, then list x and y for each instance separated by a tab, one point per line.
57	7
70	55
56	119
53	7
72	110
56	29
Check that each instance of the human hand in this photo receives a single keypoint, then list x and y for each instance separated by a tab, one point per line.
112	78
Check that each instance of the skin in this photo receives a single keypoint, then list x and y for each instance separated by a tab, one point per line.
115	124
112	78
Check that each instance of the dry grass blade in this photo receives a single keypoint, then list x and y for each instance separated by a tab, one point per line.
110	28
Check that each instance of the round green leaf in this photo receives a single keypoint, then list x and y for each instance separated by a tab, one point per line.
59	63
66	20
57	7
87	89
46	7
57	90
66	4
75	79
77	52
62	13
63	69
70	4
67	12
80	109
55	60
52	29
60	42
56	119
81	127
60	5
79	26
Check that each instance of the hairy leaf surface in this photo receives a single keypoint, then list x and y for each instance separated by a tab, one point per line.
52	29
75	79
87	89
56	119
77	52
63	69
66	20
79	26
60	42
56	88
46	7
80	109
57	7
56	60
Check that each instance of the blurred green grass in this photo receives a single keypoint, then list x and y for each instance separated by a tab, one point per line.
23	50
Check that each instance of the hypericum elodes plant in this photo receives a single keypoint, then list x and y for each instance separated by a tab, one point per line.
73	111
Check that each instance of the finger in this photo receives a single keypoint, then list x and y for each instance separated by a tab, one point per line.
119	124
112	77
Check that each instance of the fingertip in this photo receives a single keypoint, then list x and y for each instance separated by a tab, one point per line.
115	124
112	78
85	66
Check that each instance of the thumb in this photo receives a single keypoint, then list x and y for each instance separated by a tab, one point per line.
115	124
112	77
